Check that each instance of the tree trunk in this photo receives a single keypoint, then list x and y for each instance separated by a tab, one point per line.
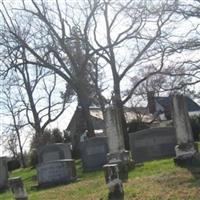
118	106
84	103
21	150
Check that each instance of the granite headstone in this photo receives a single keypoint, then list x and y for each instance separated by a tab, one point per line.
153	143
3	173
55	165
56	172
185	148
93	153
53	152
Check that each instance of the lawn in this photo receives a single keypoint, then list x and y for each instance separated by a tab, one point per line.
152	181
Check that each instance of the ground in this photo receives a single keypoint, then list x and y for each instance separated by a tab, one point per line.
156	180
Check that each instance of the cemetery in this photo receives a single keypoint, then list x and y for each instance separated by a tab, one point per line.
99	100
165	160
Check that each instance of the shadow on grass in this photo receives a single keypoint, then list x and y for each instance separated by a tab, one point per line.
55	185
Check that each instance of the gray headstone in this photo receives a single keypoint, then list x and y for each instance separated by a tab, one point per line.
55	165
93	153
3	173
53	152
56	172
153	143
113	131
18	189
185	143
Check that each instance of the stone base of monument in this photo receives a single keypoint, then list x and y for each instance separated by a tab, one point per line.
120	158
56	172
17	188
111	172
187	155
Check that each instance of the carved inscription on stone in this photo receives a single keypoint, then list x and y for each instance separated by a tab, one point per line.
52	171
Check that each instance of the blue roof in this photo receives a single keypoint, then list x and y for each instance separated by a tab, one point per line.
166	102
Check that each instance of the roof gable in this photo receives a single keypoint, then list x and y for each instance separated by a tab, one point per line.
166	102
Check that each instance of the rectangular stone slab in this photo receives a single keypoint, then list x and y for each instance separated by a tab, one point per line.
3	173
153	143
53	152
94	153
56	172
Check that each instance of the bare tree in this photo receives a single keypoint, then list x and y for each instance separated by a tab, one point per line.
54	39
132	37
13	131
126	35
37	91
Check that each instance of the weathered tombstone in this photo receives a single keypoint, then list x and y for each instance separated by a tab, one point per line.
56	172
112	178
55	151
117	153
185	148
152	143
55	165
3	173
17	187
113	131
93	153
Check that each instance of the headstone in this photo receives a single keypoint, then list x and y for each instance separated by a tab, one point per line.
113	181
55	165
56	172
117	154
122	159
113	131
17	187
185	148
55	151
93	153
3	173
152	143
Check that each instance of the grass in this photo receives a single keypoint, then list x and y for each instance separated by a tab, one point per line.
156	180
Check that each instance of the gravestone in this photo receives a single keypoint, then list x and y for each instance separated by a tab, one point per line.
117	154
56	172
185	148
152	143
112	178
93	153
113	131
17	187
3	173
55	165
55	151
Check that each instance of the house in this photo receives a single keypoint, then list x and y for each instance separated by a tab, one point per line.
77	125
162	106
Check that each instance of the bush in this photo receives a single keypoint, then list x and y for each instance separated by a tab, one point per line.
13	164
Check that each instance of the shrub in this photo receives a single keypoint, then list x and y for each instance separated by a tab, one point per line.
13	164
